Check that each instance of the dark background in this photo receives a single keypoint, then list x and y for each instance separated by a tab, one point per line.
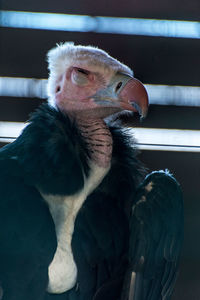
156	60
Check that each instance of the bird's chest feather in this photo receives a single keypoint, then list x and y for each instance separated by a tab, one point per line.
64	209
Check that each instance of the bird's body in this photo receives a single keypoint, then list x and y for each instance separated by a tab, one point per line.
107	205
68	188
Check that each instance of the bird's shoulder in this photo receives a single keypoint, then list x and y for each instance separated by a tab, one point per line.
50	153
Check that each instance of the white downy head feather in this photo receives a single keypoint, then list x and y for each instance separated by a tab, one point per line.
66	55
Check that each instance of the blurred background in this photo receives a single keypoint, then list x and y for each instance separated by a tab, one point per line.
160	41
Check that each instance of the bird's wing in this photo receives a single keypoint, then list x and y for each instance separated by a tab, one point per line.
156	238
27	235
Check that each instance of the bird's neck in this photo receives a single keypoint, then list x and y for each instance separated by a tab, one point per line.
98	139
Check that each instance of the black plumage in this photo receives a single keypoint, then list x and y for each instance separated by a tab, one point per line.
156	236
51	156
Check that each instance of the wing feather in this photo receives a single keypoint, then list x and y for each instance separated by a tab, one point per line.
156	236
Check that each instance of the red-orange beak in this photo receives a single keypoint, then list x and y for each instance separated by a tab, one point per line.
134	97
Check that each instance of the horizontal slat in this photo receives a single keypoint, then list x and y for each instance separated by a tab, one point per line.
100	24
11	129
167	140
156	9
167	148
4	140
158	94
23	87
154	60
147	138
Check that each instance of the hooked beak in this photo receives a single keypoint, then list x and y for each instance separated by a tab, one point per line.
125	93
134	97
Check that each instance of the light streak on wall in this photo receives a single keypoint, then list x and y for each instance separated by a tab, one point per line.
158	94
98	24
147	138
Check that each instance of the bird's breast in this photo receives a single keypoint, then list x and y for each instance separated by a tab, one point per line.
64	209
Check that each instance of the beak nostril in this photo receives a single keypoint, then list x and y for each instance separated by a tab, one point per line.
118	86
57	89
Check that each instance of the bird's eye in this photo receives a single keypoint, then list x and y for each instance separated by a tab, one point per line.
80	76
118	86
83	71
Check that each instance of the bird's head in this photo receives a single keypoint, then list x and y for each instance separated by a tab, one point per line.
87	80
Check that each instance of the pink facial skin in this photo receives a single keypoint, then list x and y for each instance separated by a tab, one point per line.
74	96
76	89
